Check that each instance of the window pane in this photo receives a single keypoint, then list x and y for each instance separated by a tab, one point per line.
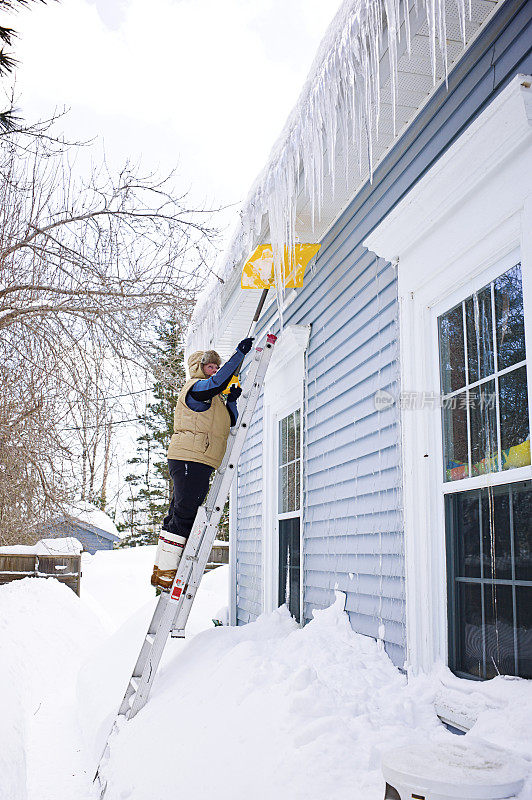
506	512
522	517
283	442
297	485
452	356
483	429
470	629
515	433
291	447
289	562
496	539
498	616
466	508
291	485
479	335
509	318
523	596
283	490
455	438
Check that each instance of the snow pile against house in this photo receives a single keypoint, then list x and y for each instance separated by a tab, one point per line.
338	111
274	711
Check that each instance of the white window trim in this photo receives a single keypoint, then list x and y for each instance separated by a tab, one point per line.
468	220
284	392
233	531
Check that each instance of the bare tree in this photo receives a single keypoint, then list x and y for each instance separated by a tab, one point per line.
87	269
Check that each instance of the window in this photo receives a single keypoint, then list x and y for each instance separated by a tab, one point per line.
290	463
289	512
484	383
489	545
289	565
486	429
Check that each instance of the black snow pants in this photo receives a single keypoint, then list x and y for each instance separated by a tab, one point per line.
191	484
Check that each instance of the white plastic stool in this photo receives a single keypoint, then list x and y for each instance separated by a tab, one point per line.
452	771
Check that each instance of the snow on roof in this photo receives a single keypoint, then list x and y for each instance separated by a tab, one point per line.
338	110
86	512
63	546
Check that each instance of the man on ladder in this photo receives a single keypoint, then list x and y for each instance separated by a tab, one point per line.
201	428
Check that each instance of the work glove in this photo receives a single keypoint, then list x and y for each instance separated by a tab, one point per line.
245	346
234	393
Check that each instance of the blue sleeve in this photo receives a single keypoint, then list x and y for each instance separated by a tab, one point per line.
205	390
233	411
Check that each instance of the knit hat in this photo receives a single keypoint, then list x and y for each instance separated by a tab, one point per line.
211	357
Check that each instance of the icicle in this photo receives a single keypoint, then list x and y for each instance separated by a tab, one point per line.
338	106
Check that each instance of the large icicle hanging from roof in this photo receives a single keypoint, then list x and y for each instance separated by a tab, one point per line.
339	106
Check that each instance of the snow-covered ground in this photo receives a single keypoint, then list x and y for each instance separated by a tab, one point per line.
268	710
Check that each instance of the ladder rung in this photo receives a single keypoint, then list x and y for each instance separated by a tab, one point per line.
150	638
135	683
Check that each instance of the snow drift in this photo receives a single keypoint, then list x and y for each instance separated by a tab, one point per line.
264	710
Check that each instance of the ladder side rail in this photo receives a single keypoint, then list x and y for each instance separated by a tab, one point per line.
147	667
140	697
247	389
220	489
188	597
183	609
177	603
144	654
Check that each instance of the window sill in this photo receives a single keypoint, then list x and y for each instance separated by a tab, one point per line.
461	705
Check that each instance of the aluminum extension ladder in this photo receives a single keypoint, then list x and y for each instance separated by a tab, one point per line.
173	607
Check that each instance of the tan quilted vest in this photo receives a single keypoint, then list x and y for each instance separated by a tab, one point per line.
199	435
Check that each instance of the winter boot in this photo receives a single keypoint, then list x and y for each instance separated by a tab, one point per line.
169	551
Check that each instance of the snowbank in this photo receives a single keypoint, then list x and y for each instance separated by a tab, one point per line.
269	710
103	679
44	632
64	546
272	710
115	583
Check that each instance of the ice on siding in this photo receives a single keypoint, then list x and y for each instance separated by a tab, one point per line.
338	108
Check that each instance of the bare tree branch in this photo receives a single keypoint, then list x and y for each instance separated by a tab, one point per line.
88	268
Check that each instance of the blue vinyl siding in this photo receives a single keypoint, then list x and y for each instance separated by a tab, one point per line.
353	523
249	516
352	513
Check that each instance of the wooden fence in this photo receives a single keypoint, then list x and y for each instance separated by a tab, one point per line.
219	555
65	569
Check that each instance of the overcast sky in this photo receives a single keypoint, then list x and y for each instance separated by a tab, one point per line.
205	85
201	85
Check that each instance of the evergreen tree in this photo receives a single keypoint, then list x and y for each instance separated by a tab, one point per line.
150	484
8	116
